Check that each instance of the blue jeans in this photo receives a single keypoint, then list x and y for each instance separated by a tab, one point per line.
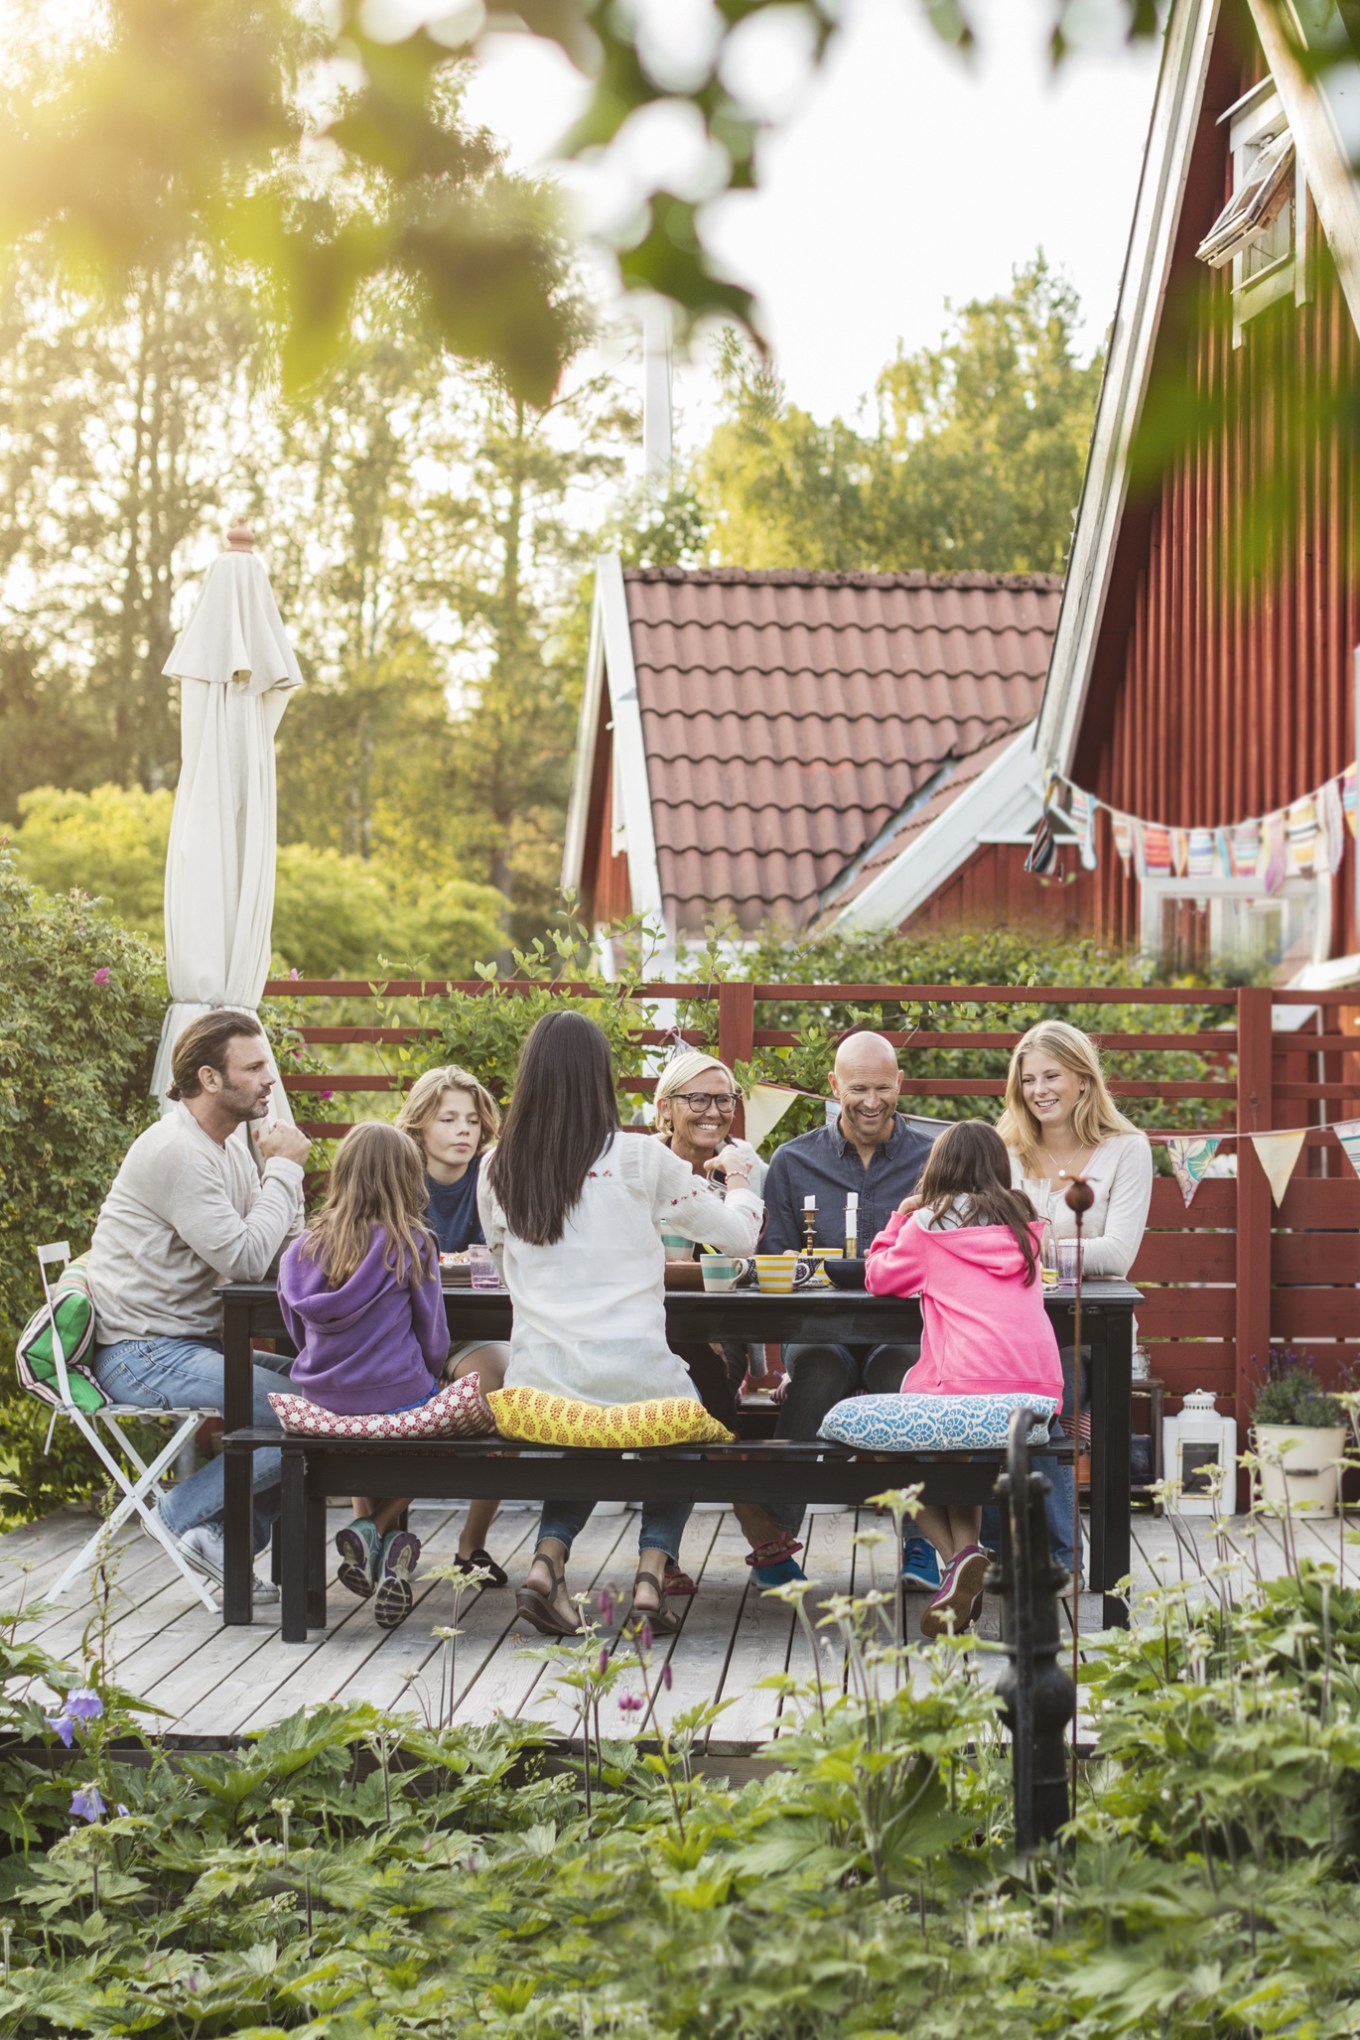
163	1374
663	1524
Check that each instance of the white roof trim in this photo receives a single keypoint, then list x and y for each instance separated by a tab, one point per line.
1324	118
609	665
1006	797
1147	266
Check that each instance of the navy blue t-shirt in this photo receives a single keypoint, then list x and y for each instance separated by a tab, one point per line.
452	1213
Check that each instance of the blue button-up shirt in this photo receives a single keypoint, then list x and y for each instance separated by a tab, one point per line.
825	1164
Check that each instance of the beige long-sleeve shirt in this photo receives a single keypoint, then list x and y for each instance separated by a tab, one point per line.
185	1214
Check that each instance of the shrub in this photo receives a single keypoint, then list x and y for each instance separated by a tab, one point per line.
1290	1393
81	1004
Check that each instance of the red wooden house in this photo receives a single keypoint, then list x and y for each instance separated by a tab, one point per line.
1203	670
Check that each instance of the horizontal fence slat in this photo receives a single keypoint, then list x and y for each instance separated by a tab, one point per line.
1347	1093
1185	1257
1000	995
1215	1204
1313	1313
1317	1257
1189	1312
1322	1203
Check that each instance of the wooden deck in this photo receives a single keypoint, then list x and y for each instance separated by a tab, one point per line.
213	1683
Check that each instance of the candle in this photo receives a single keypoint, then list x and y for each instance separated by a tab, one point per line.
851	1225
809	1204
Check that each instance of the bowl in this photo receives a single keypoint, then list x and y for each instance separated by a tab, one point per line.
845	1274
776	1273
719	1273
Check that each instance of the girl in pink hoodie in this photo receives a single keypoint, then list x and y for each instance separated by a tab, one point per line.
968	1245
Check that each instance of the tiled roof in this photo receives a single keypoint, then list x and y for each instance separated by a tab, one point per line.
955	779
788	717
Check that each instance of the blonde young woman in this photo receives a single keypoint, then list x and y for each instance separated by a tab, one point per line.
453	1120
1060	1122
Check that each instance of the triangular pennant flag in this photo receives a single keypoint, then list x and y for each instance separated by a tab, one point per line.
1278	1153
1191	1155
1043	851
1347	1132
1081	808
1348	797
1332	841
1223	857
1180	850
1156	850
765	1107
1301	835
1271	868
1122	827
1201	859
1246	848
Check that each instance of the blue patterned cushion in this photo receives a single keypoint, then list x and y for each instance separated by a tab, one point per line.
932	1423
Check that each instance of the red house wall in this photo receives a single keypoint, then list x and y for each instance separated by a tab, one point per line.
994	889
1224	681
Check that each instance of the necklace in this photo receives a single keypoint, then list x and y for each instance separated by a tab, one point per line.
1066	1162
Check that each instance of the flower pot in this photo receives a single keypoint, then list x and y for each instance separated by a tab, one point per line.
1300	1465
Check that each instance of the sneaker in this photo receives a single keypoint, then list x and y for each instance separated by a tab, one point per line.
920	1565
394	1599
957	1601
780	1567
202	1549
360	1549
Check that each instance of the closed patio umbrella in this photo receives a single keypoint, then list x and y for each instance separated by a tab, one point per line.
236	671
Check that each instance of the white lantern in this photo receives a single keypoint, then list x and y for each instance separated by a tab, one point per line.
1194	1444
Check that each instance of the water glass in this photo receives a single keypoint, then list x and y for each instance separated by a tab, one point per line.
1067	1264
1048	1256
482	1268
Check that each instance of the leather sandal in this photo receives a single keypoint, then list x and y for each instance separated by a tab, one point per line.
664	1621
540	1609
482	1561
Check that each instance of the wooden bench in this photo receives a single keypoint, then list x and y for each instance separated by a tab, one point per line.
754	1469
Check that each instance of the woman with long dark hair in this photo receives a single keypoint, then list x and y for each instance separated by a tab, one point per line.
572	1208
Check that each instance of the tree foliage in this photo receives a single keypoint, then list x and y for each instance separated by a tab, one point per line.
974	460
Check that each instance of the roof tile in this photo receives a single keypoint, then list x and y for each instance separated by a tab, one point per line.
787	717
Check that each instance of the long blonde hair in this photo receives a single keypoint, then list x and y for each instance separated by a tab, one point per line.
377	1178
1096	1118
678	1075
426	1095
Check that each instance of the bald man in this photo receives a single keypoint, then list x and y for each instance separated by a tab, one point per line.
878	1154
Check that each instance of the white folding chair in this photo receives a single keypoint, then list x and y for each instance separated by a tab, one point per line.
139	1494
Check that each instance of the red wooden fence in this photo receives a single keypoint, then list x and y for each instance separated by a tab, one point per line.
1225	1279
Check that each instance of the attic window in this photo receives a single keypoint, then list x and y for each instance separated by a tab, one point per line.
1261	231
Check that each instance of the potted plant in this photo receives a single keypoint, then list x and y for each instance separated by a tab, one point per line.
1299	1436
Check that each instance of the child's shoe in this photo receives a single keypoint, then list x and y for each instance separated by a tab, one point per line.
774	1565
920	1565
360	1548
957	1601
397	1564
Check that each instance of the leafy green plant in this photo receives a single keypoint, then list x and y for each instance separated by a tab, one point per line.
1290	1393
82	1000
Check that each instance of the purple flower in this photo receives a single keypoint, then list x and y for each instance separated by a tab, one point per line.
295	974
630	1702
62	1725
645	1638
606	1604
327	1094
666	1675
87	1804
101	977
84	1705
603	1665
122	1811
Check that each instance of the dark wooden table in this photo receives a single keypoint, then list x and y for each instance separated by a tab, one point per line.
847	1317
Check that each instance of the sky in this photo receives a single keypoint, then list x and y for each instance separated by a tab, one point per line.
905	177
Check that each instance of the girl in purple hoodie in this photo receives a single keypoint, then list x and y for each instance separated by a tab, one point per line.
968	1245
361	1299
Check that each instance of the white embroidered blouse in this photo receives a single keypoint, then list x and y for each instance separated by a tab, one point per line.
590	1311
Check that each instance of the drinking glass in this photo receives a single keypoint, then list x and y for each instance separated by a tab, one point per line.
1048	1256
482	1268
1067	1264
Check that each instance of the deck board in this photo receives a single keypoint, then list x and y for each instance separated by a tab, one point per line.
209	1681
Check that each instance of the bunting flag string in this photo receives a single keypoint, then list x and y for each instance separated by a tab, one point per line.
1277	1154
1306	838
1191	1155
766	1105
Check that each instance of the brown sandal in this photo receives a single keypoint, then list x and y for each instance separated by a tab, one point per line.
540	1609
663	1620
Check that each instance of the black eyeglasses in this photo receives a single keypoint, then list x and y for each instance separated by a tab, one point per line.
705	1101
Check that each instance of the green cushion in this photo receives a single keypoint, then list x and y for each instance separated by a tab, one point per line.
75	1328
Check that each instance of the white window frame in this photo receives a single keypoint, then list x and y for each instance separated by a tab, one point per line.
1253	121
1155	892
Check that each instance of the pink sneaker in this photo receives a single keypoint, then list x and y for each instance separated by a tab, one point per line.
957	1601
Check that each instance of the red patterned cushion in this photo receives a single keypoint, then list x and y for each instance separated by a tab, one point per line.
458	1411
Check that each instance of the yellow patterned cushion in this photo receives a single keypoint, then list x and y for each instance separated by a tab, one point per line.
537	1418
